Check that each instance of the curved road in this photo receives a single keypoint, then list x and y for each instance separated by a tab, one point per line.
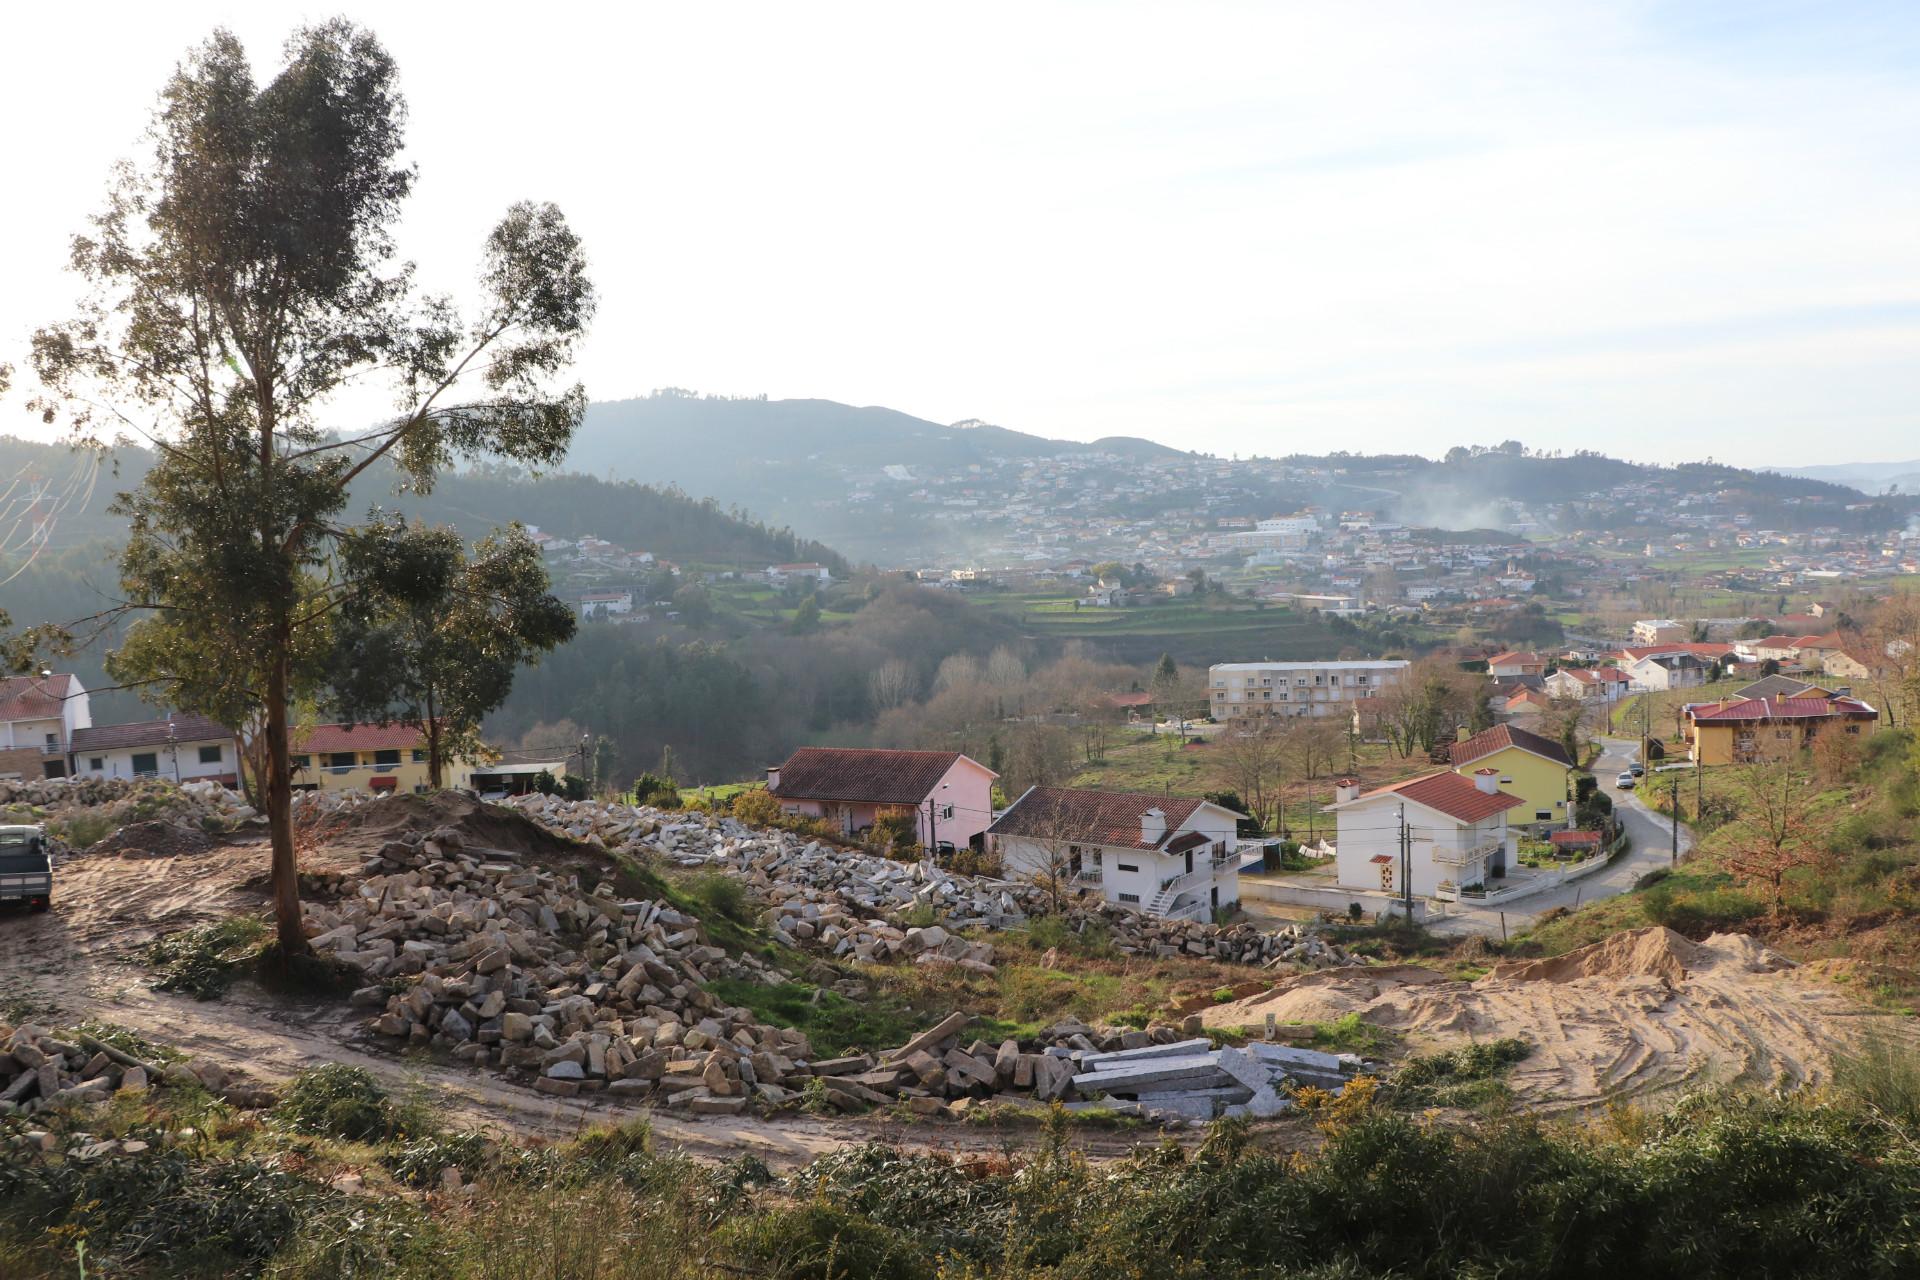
1652	842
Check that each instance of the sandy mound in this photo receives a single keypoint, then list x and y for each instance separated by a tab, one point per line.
1638	1014
481	825
1653	953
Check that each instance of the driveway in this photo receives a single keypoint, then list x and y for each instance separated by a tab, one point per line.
1652	842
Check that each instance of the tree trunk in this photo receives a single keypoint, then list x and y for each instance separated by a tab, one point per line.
433	745
278	791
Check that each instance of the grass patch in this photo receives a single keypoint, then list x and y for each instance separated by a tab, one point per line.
85	829
1352	1034
1467	1078
834	1024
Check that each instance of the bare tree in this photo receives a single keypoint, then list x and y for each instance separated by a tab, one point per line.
1564	720
891	684
1250	760
1777	833
957	671
1005	669
1314	750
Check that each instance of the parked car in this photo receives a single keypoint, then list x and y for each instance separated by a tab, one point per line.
1625	782
1637	770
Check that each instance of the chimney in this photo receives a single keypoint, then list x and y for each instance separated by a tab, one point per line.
1488	780
1153	825
1345	789
773	777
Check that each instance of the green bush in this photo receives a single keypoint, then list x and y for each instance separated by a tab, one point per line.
723	896
339	1101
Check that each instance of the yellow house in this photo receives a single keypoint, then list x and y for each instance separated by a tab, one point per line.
367	757
1748	730
1534	768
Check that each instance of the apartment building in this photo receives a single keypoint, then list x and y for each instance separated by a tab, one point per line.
1240	689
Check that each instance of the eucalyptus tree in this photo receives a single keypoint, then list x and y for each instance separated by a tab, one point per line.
242	274
429	636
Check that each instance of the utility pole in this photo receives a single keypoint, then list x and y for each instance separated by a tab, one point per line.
1406	866
1645	711
1674	858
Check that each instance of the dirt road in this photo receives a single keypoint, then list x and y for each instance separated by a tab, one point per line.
1639	1015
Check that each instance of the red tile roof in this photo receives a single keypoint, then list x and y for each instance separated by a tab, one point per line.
1595	675
1574	837
1502	736
33	697
869	776
1097	817
1448	793
1512	656
358	737
1703	649
1757	709
149	733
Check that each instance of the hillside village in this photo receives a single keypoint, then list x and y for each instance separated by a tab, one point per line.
500	833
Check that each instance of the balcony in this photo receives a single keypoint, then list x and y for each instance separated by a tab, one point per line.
1089	876
1461	857
1185	880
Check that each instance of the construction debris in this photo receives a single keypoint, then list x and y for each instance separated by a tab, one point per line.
42	1071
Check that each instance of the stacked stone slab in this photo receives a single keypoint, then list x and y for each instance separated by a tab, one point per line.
189	803
39	1070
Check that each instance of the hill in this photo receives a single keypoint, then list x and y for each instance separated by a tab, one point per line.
1868	477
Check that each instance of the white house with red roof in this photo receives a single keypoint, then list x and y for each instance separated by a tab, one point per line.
38	716
950	794
1589	684
781	574
1456	830
1175	857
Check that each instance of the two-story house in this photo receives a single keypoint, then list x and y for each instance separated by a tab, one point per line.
949	794
38	716
1532	767
1749	730
368	757
1174	857
1455	833
184	748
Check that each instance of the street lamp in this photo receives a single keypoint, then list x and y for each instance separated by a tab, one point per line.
173	749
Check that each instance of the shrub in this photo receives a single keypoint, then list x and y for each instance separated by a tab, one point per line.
757	807
969	861
1467	1076
86	829
652	789
339	1101
1883	1075
1653	877
722	895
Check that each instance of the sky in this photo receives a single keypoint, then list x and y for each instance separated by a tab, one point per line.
1666	231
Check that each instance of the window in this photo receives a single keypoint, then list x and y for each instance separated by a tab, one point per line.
1133	898
1506	782
97	764
1543	815
419	755
1125	866
146	762
386	759
946	811
342	760
1359	679
53	742
210	755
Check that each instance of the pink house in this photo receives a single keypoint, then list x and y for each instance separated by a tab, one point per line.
951	795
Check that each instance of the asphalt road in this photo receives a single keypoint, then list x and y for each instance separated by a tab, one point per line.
1652	843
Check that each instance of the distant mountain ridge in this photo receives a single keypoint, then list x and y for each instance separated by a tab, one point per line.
1868	477
657	432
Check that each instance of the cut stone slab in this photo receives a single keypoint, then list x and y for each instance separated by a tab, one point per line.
1179	1049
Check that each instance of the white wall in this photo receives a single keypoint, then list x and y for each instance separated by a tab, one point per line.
117	762
1372	829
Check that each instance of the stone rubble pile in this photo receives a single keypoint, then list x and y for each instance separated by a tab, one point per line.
41	1070
509	965
188	802
842	901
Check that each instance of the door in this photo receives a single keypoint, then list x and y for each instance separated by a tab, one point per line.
1189	862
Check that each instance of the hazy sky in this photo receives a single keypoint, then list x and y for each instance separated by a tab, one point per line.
1662	230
